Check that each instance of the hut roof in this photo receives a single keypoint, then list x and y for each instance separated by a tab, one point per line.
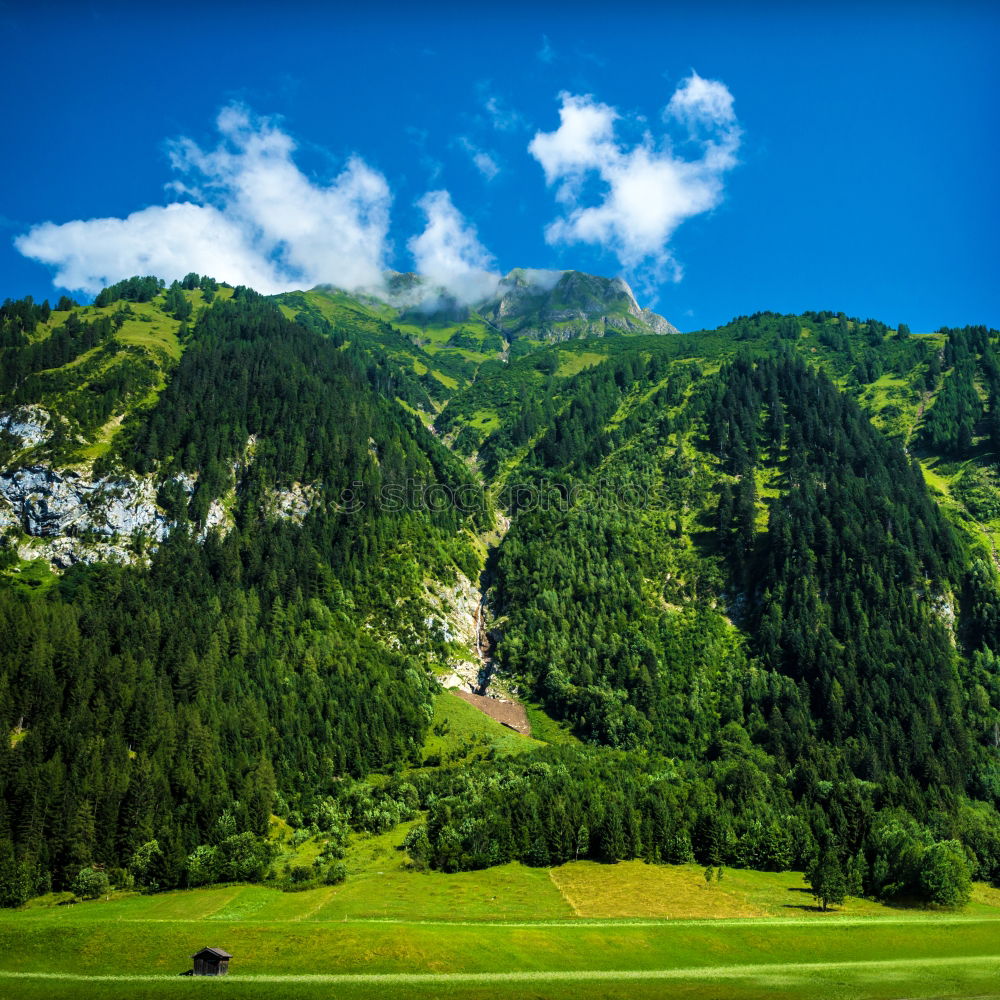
214	952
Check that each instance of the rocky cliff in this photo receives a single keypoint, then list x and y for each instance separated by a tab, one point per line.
69	515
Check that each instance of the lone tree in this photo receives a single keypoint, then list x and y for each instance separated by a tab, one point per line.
827	880
944	874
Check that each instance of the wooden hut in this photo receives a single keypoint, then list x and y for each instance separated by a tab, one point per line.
211	962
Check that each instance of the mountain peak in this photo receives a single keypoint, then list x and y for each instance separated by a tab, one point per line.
532	303
559	305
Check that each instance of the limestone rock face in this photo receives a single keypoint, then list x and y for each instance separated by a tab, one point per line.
71	517
46	503
531	303
63	551
293	503
28	425
657	322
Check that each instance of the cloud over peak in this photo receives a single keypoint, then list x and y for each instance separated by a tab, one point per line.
244	211
448	252
646	189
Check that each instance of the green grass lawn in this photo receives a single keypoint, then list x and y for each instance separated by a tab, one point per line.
32	576
573	362
547	729
308	945
580	931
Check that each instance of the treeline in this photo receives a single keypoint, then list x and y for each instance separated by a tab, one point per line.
64	344
374	346
850	588
730	585
257	391
135	289
585	625
729	809
20	318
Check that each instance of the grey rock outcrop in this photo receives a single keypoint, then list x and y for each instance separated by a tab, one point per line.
537	304
64	551
562	305
46	503
28	424
71	517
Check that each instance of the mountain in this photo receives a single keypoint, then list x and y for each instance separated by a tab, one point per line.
443	343
533	304
745	582
562	305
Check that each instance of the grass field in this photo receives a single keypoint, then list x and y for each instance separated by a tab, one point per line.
459	733
300	955
584	930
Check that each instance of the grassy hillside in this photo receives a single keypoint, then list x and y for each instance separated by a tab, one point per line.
92	393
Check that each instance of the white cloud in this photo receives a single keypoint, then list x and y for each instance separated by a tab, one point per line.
584	141
483	161
502	117
485	164
546	53
253	218
698	101
647	189
166	240
448	252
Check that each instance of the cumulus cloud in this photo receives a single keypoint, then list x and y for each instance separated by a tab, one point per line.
448	252
647	189
249	216
485	164
701	102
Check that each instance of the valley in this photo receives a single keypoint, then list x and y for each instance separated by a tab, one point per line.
337	630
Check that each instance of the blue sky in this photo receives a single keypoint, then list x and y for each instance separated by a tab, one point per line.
724	159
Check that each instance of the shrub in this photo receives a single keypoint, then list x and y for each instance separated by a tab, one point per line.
203	865
335	874
91	883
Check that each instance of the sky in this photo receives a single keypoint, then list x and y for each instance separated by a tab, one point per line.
723	159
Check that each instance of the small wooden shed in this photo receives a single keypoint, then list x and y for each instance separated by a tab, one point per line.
211	962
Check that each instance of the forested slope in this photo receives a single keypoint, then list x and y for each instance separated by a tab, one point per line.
752	569
237	672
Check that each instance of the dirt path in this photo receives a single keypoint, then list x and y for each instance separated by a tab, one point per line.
545	976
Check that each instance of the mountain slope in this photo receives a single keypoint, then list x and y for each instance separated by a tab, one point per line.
772	620
244	668
442	344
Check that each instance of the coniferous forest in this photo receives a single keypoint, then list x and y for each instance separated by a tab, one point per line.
726	575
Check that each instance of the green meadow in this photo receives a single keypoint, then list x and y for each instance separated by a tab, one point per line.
582	930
